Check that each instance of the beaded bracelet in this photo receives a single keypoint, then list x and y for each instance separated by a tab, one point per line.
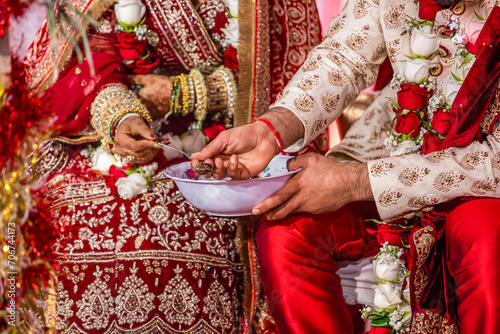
276	135
228	77
185	94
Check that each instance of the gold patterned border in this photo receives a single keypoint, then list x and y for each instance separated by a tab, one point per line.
143	255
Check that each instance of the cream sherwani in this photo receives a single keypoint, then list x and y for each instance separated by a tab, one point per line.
356	43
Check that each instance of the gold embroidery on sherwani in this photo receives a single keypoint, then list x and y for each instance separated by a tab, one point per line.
348	99
394	18
309	82
312	64
357	40
336	78
438	156
471	161
483	187
335	57
329	102
304	103
446	181
495	161
379	52
336	25
420	202
360	9
426	323
389	198
393	49
319	125
410	176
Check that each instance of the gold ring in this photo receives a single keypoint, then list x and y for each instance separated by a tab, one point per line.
130	157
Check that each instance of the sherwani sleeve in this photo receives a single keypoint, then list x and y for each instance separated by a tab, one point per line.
338	69
405	184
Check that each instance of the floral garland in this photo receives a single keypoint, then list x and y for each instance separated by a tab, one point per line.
422	117
421	123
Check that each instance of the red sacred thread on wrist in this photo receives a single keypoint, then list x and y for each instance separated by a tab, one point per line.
275	133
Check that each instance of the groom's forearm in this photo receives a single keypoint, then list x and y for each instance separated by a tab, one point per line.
287	124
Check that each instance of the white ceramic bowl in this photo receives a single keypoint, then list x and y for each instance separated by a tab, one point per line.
230	197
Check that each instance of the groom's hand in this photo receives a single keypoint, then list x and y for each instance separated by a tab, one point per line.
323	185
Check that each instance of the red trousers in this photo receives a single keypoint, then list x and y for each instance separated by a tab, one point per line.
298	258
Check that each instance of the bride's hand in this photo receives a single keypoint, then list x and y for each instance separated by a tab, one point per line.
155	94
135	139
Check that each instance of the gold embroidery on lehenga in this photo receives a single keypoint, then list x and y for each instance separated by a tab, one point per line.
178	301
218	306
426	323
424	241
134	301
96	304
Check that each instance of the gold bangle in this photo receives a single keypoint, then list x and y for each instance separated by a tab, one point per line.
200	88
227	76
185	94
111	103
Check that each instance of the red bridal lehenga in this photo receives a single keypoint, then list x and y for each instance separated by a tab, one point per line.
154	263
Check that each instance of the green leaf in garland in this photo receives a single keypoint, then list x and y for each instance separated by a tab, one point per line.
421	81
380	321
479	17
455	77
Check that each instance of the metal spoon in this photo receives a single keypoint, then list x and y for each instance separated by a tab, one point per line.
203	167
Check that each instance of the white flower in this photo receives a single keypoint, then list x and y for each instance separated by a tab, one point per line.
102	160
462	70
415	70
193	141
130	12
387	296
232	32
404	307
388	270
173	141
451	88
132	185
232	5
404	147
406	293
423	42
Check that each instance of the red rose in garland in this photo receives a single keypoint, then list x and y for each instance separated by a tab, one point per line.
413	97
144	66
231	58
430	143
129	46
408	124
441	121
428	9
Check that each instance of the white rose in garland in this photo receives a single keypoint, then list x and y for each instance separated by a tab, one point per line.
415	70
132	185
130	12
423	42
387	296
102	160
387	270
